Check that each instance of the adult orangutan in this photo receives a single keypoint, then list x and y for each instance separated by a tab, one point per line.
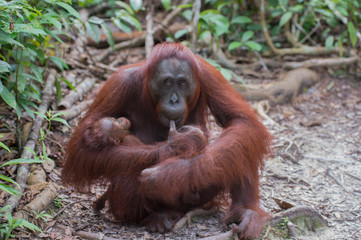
154	174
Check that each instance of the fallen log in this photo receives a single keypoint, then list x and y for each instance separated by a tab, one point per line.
285	90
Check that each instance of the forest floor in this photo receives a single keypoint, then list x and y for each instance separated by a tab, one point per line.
316	163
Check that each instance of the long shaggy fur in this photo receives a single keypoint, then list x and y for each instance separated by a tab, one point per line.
230	163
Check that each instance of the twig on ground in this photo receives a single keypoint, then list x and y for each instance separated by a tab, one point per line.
86	235
329	173
285	90
23	170
40	202
221	236
261	108
188	216
69	205
75	110
76	94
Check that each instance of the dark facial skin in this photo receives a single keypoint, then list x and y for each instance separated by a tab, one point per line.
172	87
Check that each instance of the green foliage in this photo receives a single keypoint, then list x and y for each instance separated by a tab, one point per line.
166	4
234	24
311	14
28	37
42	216
284	222
7	228
2	145
224	19
227	74
58	202
122	15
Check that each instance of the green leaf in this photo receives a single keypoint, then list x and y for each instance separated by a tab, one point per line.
285	18
59	114
69	8
189	5
136	4
166	4
205	36
132	21
340	47
283	2
63	121
21	161
8	97
38	71
180	33
27	109
253	46
95	20
30	226
352	33
125	6
4	208
58	90
329	42
227	74
53	20
247	35
5	38
120	24
70	85
296	8
58	62
241	20
219	24
4	66
27	28
93	31
5	147
234	45
5	178
9	189
18	111
41	115
32	150
108	33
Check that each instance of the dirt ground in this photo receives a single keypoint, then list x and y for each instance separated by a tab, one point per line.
316	163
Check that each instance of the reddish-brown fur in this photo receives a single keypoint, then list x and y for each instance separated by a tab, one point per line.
230	163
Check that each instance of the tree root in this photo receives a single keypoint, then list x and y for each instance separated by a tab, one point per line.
75	110
189	215
76	94
284	90
23	170
39	203
296	212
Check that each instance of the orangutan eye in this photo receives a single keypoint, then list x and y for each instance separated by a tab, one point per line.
166	82
182	83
